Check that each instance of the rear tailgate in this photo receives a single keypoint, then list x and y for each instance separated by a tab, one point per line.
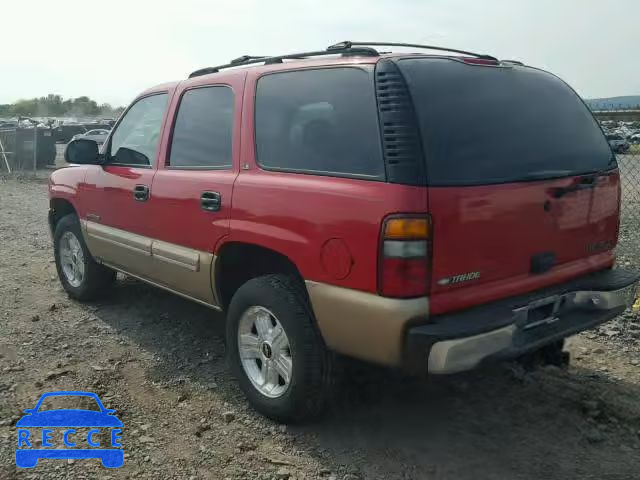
502	237
523	188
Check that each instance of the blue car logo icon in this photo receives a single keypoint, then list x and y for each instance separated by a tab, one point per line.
69	419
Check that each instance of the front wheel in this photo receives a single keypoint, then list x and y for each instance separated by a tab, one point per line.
276	351
81	276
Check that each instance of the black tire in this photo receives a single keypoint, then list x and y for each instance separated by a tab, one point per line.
97	278
311	378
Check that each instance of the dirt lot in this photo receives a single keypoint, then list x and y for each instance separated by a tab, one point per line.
158	361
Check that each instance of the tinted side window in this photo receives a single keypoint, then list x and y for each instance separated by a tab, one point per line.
319	121
135	140
202	135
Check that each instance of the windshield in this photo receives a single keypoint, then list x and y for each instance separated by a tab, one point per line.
484	125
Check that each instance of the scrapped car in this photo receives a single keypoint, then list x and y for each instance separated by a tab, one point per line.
433	211
97	135
618	143
65	132
27	457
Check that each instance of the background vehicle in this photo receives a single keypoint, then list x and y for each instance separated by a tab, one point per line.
618	143
66	131
99	135
370	206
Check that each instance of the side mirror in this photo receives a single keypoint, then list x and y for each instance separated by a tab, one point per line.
82	151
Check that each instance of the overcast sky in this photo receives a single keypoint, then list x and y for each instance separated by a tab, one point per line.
112	50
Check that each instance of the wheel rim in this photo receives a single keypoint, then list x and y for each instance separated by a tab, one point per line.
265	352
71	259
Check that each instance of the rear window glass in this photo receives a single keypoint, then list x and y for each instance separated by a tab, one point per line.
484	125
320	121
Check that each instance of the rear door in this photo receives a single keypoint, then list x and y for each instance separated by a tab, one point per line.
192	189
523	187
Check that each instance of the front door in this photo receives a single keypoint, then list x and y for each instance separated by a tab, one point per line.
192	187
118	222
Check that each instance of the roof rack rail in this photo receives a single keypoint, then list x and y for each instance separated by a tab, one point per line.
349	44
249	60
512	62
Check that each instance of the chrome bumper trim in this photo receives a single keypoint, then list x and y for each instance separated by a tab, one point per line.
461	354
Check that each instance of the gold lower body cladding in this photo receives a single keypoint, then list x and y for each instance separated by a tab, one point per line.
181	270
355	323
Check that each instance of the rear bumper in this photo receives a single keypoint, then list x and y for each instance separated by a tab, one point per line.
508	328
364	325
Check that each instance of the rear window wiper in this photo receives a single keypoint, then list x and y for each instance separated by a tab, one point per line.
606	171
584	184
544	175
587	180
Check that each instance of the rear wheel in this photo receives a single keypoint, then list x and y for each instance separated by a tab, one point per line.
276	351
81	276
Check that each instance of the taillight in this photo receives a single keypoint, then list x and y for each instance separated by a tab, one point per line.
405	257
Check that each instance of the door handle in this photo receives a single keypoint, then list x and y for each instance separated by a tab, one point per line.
141	193
210	201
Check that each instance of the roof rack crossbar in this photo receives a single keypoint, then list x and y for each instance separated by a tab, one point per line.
248	60
349	44
244	58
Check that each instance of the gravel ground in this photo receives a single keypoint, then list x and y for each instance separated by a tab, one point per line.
158	360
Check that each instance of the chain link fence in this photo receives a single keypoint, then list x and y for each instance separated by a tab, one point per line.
622	128
24	150
629	165
629	240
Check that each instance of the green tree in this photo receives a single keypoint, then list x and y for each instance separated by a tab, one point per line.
55	106
26	107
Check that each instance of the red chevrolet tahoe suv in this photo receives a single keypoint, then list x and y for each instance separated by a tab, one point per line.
426	211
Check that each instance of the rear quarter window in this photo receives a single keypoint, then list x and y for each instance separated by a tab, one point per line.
321	121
